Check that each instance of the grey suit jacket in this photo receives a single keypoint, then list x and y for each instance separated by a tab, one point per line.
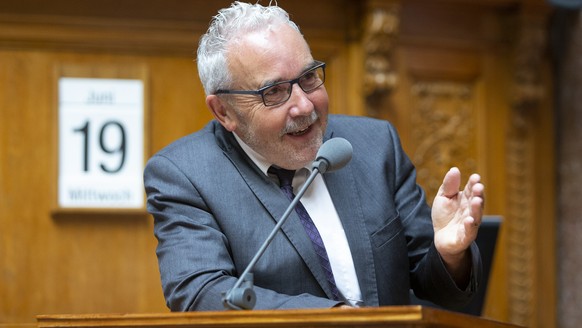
213	208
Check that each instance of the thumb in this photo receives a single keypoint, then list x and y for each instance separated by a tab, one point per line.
451	183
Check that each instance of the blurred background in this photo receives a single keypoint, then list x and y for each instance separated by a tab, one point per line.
490	86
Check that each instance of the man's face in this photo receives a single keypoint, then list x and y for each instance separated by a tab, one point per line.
290	134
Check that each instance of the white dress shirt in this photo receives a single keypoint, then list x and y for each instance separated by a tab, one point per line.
321	209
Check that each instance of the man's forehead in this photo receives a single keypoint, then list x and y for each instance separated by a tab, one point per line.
265	57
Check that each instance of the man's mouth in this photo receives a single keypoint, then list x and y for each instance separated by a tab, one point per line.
300	132
301	126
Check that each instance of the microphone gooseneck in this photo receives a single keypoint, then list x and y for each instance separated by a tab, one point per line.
334	154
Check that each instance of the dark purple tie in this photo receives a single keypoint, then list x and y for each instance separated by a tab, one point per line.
285	180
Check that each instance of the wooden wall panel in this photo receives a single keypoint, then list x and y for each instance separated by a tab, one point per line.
460	66
451	61
60	262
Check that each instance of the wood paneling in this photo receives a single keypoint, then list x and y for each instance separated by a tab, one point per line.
453	60
75	262
461	65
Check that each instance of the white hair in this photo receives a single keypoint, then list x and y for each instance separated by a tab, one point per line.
230	23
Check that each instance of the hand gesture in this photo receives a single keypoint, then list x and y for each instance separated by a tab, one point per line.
456	216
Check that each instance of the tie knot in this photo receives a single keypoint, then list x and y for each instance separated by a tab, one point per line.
285	176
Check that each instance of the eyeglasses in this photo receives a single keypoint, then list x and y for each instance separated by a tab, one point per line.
280	92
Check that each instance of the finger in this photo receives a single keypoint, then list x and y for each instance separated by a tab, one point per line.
476	211
478	190
451	183
473	180
471	227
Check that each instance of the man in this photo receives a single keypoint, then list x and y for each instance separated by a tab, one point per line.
215	201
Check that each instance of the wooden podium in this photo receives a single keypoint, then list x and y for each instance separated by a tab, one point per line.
394	316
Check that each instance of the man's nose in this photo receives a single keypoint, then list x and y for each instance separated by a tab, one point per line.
300	103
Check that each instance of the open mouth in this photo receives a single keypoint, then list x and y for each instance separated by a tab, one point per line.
300	132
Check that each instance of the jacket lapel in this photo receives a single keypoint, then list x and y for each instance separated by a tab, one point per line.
346	199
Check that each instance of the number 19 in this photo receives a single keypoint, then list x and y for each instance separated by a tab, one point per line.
120	149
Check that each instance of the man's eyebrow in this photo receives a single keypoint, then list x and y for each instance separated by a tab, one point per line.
305	69
311	65
270	82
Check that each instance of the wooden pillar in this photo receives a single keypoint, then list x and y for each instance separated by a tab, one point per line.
380	33
531	276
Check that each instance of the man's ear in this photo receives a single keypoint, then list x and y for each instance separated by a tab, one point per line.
221	112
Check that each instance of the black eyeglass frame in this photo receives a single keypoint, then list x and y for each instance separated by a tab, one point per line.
261	91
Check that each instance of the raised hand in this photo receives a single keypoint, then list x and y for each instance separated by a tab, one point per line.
456	216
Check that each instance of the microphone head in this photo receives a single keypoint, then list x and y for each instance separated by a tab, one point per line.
333	155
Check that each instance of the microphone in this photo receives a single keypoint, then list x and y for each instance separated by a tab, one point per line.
333	155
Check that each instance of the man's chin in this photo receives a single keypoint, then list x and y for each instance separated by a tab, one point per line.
302	159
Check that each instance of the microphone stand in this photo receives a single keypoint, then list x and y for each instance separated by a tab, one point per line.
242	296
